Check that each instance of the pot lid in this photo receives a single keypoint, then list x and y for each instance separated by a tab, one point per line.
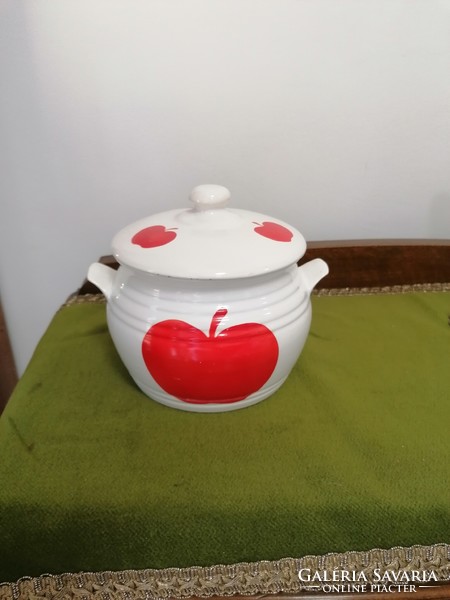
209	240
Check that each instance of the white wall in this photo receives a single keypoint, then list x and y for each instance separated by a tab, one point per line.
330	114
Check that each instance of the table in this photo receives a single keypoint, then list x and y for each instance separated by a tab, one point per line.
350	456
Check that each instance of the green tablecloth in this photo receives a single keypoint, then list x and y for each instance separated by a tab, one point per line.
352	453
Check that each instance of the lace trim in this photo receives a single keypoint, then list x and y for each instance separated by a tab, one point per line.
263	577
391	289
85	299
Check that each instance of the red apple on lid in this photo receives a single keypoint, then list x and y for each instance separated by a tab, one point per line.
205	369
274	231
153	236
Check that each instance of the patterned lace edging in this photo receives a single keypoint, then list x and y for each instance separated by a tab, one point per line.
263	577
388	289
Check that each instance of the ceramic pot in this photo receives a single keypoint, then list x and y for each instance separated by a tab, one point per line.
208	310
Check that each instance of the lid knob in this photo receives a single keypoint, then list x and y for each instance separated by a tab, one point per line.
209	197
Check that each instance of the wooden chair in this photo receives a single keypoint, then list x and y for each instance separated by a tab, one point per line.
8	373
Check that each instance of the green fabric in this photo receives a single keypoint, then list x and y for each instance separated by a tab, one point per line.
352	453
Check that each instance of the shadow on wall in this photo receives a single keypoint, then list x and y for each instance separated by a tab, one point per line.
440	216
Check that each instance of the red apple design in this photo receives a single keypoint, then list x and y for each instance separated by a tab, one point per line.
202	369
151	237
274	231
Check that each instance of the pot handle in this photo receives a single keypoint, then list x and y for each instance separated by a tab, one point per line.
312	272
103	277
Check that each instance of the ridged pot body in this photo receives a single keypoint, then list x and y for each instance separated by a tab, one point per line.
209	345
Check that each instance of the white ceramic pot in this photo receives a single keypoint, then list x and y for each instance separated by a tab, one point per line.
208	309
